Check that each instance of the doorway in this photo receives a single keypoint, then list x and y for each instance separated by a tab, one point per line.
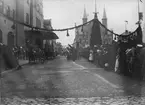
10	40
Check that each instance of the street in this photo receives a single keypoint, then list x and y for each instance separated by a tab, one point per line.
66	82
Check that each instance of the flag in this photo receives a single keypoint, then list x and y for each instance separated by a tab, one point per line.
126	21
140	16
140	0
139	35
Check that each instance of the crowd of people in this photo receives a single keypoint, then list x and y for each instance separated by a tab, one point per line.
9	57
129	61
101	55
71	53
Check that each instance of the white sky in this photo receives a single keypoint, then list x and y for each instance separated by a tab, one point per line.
65	13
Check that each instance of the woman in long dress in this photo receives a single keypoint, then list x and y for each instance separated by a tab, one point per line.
91	56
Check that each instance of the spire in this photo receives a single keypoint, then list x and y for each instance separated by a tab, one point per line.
104	14
95	16
85	14
95	7
104	19
85	19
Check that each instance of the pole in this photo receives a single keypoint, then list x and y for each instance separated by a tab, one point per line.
138	12
126	22
16	36
125	26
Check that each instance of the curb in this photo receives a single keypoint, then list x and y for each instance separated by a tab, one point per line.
11	70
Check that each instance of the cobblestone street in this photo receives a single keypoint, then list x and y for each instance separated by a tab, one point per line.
69	83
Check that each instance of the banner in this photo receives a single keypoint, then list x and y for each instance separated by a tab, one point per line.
133	38
95	34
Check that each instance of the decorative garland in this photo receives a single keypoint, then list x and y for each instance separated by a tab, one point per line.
71	28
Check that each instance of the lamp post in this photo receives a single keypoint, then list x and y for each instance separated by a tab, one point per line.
138	11
140	15
126	22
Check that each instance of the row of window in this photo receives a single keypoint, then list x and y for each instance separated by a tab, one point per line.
38	23
27	18
39	9
5	9
28	2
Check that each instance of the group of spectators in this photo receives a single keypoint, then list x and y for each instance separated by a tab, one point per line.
123	60
7	58
101	55
20	52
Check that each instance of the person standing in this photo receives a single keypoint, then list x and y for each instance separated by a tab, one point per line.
91	56
74	54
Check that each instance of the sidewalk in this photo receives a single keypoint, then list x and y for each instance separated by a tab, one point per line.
21	63
113	77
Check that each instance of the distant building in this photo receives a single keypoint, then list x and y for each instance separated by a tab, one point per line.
47	24
50	42
107	37
83	34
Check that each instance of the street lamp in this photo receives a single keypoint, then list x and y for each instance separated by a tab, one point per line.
140	14
126	22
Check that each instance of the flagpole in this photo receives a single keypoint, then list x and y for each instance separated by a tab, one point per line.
126	22
138	11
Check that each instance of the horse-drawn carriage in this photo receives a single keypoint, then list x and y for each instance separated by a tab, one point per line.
36	54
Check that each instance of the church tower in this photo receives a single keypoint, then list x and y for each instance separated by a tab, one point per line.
85	18
104	19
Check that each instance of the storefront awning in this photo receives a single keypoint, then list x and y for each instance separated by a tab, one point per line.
50	35
46	35
30	33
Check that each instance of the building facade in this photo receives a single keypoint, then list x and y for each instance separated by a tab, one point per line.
7	29
144	22
26	11
33	11
82	34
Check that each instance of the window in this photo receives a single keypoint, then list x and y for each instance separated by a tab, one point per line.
8	11
27	18
1	6
28	2
38	23
13	14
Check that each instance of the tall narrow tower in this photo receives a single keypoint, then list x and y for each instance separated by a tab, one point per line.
95	13
104	19
85	18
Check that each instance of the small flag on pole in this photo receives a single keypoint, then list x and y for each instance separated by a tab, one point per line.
126	21
140	16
